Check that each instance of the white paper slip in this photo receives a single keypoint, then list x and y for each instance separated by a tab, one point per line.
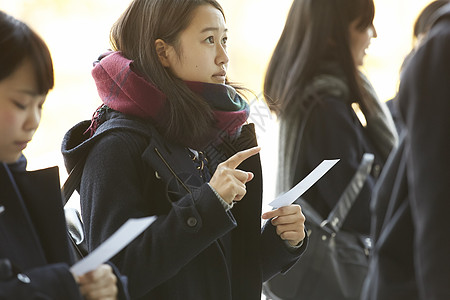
290	196
116	242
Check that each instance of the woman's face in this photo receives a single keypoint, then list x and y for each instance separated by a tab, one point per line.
20	111
202	52
360	41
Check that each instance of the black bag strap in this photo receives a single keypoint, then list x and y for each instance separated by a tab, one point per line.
342	208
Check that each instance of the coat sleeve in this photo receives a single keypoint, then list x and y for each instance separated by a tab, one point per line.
49	282
114	184
425	107
276	253
334	132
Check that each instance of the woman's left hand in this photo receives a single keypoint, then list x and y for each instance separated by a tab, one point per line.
289	222
100	283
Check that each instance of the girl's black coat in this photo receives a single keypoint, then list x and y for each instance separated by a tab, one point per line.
33	238
195	249
34	247
334	131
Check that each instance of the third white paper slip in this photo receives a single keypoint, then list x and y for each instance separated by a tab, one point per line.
116	242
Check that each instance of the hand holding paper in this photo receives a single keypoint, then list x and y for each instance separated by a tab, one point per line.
289	222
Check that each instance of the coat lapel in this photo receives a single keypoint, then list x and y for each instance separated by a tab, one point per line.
42	196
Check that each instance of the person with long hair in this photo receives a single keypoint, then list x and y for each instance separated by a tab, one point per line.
326	107
35	256
171	140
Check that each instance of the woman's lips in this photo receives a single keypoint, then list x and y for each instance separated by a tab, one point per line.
220	76
22	145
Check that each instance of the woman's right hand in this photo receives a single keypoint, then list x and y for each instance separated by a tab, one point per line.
228	181
99	284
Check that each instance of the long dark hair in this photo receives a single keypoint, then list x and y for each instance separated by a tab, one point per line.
135	33
18	42
316	31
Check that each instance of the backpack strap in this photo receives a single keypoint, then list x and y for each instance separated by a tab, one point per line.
73	181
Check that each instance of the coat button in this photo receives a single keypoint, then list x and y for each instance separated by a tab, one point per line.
24	278
191	222
2	209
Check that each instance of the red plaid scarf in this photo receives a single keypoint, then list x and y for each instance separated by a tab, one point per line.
121	89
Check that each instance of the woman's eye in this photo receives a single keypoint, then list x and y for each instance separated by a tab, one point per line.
224	41
210	39
19	105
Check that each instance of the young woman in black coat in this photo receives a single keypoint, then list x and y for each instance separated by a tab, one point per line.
171	140
313	81
34	248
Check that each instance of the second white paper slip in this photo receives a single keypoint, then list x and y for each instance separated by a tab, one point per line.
290	196
116	242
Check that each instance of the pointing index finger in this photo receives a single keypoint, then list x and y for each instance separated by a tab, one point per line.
234	161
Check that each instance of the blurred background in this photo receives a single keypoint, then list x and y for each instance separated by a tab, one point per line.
77	31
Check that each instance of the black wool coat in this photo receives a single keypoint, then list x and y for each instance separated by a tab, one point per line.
35	256
333	131
34	249
195	249
411	257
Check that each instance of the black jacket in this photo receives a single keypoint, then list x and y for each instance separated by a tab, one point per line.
195	249
411	257
34	249
35	256
334	131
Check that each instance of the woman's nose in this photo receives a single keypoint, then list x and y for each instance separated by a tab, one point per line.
222	55
33	119
374	32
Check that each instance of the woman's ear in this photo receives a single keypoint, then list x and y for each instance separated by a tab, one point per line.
162	49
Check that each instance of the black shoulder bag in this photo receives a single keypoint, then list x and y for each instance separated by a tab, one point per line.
336	261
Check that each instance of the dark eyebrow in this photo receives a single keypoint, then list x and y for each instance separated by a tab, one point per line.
27	92
212	29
